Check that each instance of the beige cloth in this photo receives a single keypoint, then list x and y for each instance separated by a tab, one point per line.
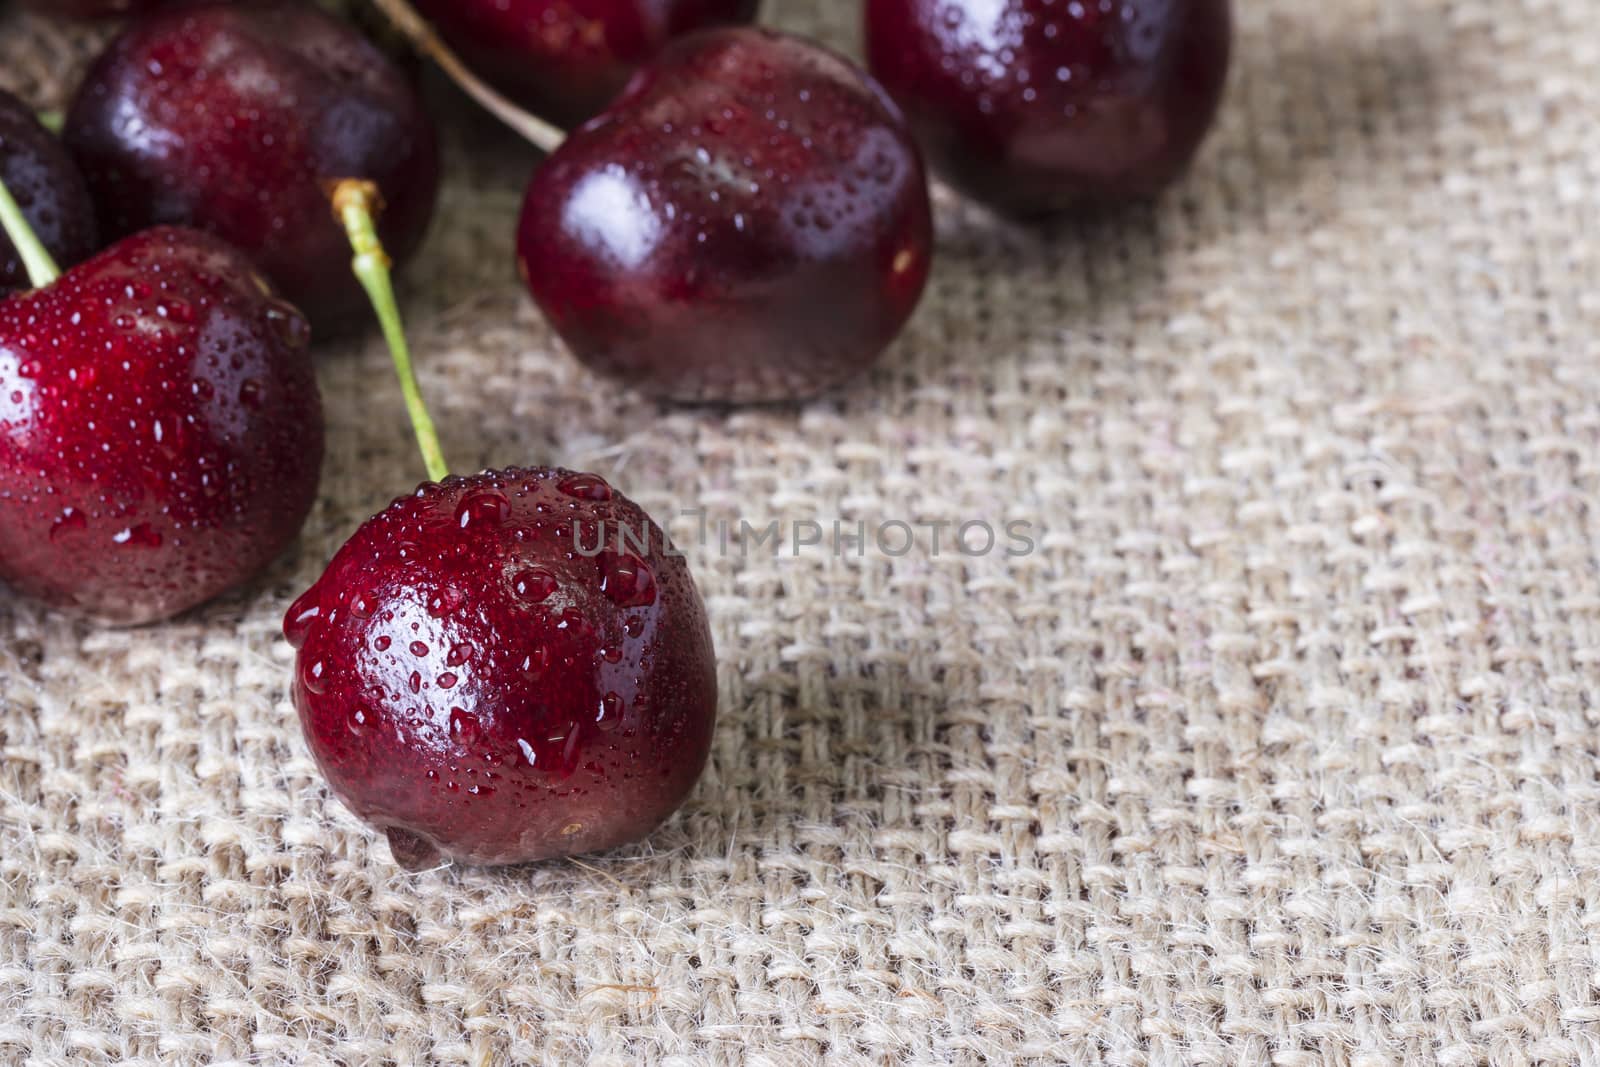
1280	749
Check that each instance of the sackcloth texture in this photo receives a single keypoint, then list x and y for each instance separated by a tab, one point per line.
1280	748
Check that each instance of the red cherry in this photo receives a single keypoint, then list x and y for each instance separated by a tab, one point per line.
1037	106
478	686
749	221
236	119
160	429
567	59
49	188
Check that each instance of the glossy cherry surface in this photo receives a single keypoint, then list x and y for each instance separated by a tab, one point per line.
235	119
748	222
160	429
49	189
478	685
567	59
1036	106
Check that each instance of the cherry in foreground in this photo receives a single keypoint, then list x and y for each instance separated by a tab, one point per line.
1037	106
502	668
567	59
478	689
748	222
54	199
160	429
236	119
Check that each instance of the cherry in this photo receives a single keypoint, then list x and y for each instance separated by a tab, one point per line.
235	119
160	426
476	687
1037	106
44	180
501	668
749	221
566	59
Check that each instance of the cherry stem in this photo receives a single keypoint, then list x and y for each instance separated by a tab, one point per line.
356	203
41	265
54	121
415	29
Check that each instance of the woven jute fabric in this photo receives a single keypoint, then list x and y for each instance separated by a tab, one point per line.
1279	747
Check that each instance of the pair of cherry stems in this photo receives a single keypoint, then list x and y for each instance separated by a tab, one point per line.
355	203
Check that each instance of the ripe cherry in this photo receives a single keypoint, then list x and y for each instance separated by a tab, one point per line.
567	59
1036	106
45	182
749	221
235	119
476	687
501	668
160	426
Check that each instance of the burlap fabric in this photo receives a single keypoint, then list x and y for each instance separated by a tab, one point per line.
1279	748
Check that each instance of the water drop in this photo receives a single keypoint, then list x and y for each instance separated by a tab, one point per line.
314	677
447	680
534	585
488	507
250	392
610	713
382	643
459	654
286	321
302	616
627	580
464	727
585	487
140	536
419	649
444	602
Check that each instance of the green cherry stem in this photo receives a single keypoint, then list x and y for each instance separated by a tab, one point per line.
54	121
356	203
42	269
415	28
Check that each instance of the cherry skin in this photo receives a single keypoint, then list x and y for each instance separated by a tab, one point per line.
49	188
567	59
748	222
476	684
235	119
160	429
1039	106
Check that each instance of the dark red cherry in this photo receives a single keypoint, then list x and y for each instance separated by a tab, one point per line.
505	668
236	119
748	222
1036	106
49	188
567	59
160	429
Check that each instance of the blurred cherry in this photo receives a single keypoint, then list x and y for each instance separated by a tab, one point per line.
1036	106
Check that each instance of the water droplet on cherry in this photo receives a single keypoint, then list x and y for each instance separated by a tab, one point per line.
627	580
585	487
